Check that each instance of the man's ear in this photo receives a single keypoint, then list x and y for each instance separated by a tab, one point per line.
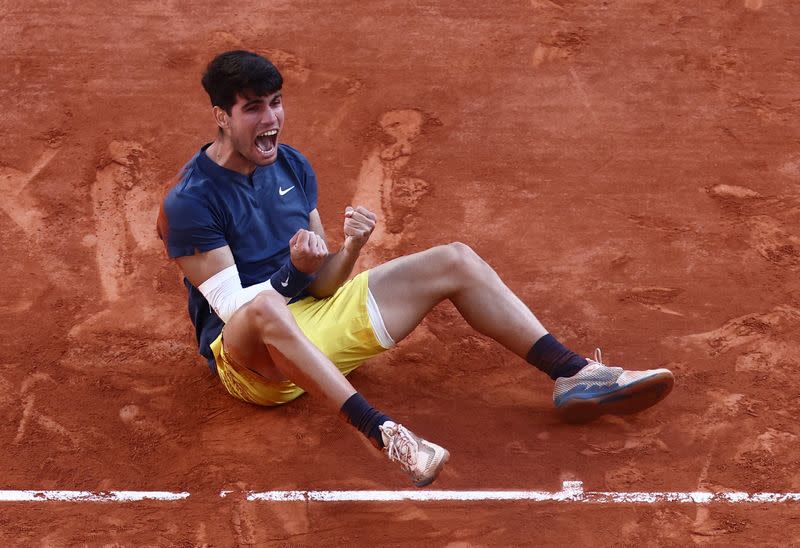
221	117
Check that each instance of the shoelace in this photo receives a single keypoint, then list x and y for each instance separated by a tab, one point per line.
403	447
598	361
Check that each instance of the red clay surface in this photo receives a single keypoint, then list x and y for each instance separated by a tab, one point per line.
631	169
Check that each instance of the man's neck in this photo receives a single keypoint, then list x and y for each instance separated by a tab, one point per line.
222	153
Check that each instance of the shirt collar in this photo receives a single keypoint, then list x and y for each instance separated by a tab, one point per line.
216	171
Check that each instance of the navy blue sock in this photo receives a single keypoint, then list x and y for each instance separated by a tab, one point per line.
363	416
554	358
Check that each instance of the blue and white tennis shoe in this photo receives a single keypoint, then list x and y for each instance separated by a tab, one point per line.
598	389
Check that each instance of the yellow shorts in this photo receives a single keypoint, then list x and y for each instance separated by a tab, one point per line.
338	325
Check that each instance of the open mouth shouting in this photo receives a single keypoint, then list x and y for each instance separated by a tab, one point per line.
267	143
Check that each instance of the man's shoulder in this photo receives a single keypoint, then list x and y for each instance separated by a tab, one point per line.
294	156
290	151
188	203
190	187
192	180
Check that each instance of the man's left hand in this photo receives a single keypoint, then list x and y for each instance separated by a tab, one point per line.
359	222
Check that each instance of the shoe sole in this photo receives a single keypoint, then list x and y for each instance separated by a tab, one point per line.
633	398
436	471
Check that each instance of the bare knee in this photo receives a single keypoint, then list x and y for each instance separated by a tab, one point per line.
464	256
461	260
268	314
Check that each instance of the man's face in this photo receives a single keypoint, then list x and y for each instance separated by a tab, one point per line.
254	125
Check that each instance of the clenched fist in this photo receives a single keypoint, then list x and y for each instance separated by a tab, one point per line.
358	226
308	251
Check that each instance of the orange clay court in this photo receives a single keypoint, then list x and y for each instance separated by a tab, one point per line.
631	169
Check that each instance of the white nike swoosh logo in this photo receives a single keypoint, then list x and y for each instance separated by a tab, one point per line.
282	192
286	283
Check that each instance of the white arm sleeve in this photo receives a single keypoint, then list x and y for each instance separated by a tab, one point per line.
225	294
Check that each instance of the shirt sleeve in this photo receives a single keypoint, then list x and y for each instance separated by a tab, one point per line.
191	225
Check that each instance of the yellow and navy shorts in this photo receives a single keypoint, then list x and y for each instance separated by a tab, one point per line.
338	325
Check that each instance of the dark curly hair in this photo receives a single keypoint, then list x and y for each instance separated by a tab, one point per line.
239	72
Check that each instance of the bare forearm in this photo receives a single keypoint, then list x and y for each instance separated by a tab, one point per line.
333	274
358	226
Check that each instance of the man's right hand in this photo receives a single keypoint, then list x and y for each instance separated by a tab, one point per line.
308	251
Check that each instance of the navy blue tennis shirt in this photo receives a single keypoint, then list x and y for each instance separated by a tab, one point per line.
256	215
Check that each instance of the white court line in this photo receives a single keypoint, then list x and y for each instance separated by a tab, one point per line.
571	492
88	496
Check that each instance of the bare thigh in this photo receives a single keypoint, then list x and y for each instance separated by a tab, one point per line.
243	342
408	287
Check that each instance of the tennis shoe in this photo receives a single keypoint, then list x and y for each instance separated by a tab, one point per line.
598	389
419	458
